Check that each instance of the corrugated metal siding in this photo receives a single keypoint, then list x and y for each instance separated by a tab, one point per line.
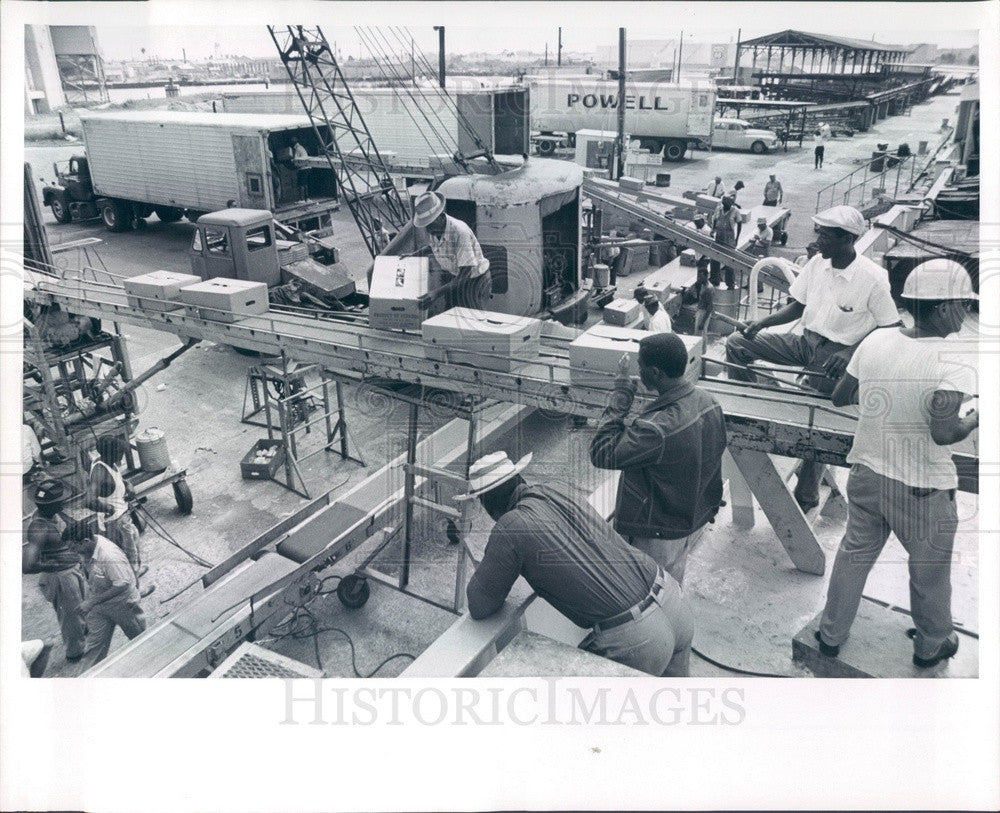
189	167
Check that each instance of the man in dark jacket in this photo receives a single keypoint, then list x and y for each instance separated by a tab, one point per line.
670	455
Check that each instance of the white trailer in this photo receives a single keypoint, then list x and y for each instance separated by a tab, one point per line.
412	126
663	116
177	164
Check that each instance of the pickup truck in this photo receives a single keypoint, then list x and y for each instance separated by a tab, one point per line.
737	134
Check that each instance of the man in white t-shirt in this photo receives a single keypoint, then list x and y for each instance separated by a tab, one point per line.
654	318
911	384
840	297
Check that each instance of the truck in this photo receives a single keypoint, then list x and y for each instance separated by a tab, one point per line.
662	116
180	164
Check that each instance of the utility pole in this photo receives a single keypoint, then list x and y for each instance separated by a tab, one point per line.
546	55
621	102
441	75
559	52
736	65
680	56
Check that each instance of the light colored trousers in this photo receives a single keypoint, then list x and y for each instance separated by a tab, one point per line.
670	554
924	521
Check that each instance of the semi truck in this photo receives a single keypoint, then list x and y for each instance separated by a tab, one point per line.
178	164
664	117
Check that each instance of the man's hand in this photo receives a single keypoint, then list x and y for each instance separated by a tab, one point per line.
625	368
971	420
84	607
752	329
837	363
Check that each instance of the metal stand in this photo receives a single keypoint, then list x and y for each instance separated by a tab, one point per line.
290	404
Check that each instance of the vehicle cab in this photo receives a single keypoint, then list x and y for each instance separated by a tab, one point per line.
238	244
737	134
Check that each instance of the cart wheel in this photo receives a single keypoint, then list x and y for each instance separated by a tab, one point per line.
353	591
182	494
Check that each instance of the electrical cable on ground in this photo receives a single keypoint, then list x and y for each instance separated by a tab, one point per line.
162	532
736	670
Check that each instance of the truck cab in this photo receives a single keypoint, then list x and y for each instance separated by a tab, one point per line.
71	195
737	134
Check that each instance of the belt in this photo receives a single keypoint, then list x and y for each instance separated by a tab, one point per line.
636	611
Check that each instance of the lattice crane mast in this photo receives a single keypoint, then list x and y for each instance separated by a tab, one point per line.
342	134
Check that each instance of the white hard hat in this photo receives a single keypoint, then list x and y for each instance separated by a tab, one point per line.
842	217
939	279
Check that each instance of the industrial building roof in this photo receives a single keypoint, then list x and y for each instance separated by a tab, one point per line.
791	38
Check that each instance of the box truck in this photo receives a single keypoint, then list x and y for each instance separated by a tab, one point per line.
663	116
177	164
412	126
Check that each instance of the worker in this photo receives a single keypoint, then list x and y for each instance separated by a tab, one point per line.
63	582
699	225
811	250
726	227
702	296
106	493
573	559
654	318
670	454
773	193
736	191
454	249
113	598
299	153
381	235
760	243
717	188
911	384
840	297
819	140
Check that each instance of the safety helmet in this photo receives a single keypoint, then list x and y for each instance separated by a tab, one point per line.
939	279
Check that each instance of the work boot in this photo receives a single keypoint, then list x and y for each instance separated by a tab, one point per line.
945	651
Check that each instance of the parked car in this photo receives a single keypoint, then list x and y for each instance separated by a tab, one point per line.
737	134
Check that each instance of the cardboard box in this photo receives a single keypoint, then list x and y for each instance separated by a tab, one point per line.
622	312
689	257
595	353
263	460
398	283
225	300
494	341
157	290
627	184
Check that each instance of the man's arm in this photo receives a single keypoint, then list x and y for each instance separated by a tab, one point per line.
616	446
945	424
792	311
496	574
846	391
116	590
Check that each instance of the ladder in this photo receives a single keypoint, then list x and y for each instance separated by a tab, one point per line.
344	138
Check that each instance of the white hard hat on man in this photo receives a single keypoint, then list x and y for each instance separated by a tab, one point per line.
939	279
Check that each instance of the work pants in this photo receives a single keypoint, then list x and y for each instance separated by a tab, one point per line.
810	350
670	554
657	641
125	535
101	622
717	272
770	203
65	590
818	157
924	521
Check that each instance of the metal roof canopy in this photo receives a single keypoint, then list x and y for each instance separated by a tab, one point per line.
792	39
775	103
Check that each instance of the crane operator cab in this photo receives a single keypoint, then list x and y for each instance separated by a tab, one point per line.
527	222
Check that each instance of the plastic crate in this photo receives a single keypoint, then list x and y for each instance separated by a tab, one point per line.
262	471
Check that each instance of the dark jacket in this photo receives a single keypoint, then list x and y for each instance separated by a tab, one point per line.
670	456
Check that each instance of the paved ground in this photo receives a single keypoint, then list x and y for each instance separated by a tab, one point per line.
750	601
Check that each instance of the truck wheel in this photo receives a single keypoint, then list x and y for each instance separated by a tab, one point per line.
674	150
59	212
758	148
546	147
117	215
654	145
193	216
168	214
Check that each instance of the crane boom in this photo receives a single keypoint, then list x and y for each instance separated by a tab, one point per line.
340	129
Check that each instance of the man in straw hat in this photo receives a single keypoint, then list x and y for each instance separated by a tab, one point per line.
911	384
840	297
454	249
63	582
571	557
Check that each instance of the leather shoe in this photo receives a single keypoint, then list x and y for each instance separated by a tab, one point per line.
947	650
805	505
827	649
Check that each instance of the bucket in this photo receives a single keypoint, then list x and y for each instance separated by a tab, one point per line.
921	148
602	276
663	179
151	444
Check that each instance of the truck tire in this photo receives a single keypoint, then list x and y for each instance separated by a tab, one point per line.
117	215
168	214
758	148
654	145
193	216
674	150
546	147
60	212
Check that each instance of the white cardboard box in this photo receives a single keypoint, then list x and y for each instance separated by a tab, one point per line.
622	312
157	290
397	285
225	300
595	353
689	257
495	341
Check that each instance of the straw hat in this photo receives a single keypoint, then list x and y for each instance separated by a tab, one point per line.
427	208
490	471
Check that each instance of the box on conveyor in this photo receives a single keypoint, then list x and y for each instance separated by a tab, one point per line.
225	300
157	290
689	257
627	184
398	283
622	312
595	353
493	341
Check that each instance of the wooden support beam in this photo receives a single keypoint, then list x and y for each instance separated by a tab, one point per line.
740	495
